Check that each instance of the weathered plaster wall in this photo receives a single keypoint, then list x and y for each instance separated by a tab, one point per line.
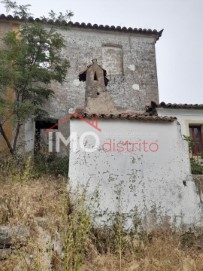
184	116
129	59
198	179
156	185
133	83
29	131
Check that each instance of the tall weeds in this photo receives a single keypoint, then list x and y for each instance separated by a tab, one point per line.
63	237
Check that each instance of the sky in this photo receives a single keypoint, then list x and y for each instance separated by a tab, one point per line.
179	51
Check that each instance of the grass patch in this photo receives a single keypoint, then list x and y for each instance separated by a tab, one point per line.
62	237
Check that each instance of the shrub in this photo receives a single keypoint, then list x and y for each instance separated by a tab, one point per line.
196	166
51	164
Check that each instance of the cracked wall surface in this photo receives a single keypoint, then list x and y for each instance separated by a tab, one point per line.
129	59
129	90
142	182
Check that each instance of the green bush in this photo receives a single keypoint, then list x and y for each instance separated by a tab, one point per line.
51	164
196	166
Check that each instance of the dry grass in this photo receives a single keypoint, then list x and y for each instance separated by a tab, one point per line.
163	253
25	202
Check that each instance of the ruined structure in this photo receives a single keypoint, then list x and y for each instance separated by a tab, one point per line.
126	58
111	80
97	97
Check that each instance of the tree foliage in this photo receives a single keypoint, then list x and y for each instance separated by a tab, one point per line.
30	60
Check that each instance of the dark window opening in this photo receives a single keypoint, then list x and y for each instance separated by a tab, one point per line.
197	137
95	77
41	134
82	77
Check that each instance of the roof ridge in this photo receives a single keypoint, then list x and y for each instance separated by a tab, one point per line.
88	25
126	115
180	105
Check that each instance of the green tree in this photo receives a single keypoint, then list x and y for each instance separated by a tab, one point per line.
29	60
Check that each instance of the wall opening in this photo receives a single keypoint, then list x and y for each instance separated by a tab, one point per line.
41	135
196	133
95	77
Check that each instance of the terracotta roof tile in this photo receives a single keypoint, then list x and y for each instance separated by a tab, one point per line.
90	26
180	106
125	116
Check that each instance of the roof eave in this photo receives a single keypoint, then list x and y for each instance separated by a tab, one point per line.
154	32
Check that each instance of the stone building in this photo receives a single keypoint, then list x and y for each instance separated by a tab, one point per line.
126	56
110	84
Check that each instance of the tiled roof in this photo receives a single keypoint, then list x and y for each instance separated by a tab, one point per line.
180	106
89	26
124	116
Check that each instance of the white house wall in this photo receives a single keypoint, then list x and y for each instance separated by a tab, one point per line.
152	184
184	117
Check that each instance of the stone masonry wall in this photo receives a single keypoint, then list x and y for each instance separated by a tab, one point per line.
131	85
128	58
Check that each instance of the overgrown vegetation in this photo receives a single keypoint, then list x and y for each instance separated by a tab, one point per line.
34	194
63	238
196	161
50	164
42	164
29	61
196	166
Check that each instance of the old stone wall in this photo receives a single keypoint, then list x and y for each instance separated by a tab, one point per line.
129	60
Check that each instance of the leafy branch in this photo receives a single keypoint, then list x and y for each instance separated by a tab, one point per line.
30	60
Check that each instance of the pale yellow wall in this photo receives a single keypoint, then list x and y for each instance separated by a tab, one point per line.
189	122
